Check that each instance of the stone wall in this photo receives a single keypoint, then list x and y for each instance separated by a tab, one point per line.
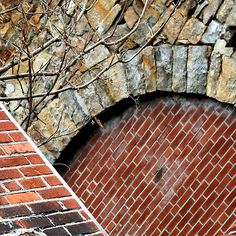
191	53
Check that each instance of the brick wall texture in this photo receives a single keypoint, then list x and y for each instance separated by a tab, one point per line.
32	197
166	168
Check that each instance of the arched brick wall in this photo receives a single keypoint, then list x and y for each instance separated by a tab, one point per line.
164	169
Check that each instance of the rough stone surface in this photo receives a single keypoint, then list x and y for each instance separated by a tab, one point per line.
212	33
192	32
224	10
197	68
98	54
179	75
106	23
177	21
221	48
231	19
55	130
91	99
164	67
136	82
116	82
99	12
226	91
210	10
213	74
78	111
149	69
130	17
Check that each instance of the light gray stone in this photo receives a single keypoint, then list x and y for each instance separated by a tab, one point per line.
224	10
210	10
135	77
231	19
91	99
98	54
213	74
197	68
164	67
78	115
116	82
221	48
82	26
212	33
102	91
179	75
139	35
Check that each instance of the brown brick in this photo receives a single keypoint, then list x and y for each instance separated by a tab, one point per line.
17	148
32	183
36	170
45	207
22	197
17	136
5	138
82	228
52	180
56	231
7	125
54	193
65	217
9	174
33	222
12	186
3	116
14	211
35	159
13	161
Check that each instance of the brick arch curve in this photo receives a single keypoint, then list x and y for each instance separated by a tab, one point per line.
150	172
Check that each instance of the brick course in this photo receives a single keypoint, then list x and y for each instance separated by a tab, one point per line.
32	196
166	168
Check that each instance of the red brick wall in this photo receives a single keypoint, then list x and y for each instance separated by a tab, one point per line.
165	169
32	195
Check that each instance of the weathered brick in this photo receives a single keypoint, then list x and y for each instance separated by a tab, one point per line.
17	148
14	211
183	139
34	222
54	193
45	207
13	161
36	170
65	217
32	183
58	231
82	228
7	125
9	174
5	138
17	136
3	116
22	197
52	180
12	186
5	227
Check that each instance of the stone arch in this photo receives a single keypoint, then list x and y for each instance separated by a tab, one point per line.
189	55
176	69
